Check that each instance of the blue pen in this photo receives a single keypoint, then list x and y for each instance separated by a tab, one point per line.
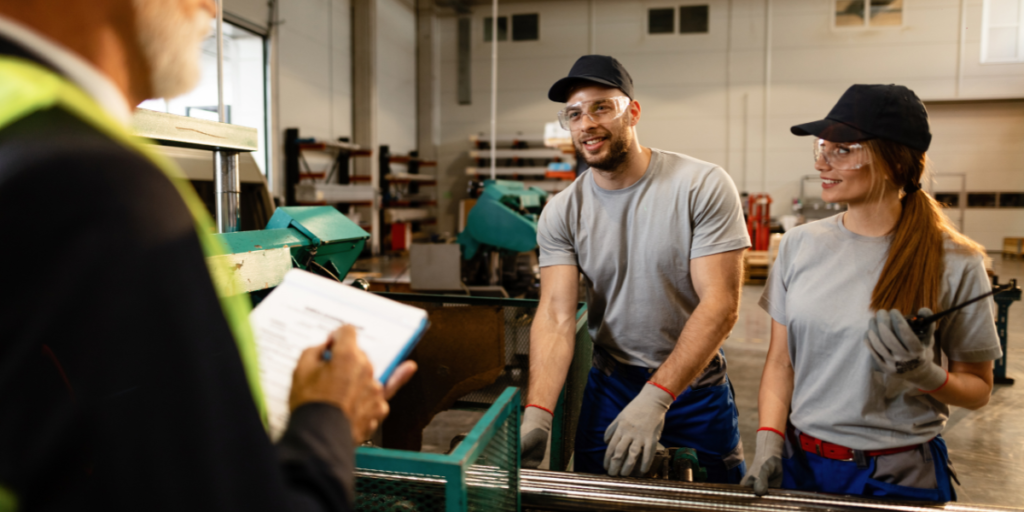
326	355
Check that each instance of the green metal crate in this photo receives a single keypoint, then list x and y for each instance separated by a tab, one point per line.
518	319
482	474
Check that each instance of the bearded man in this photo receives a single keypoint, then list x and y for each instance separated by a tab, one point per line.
126	381
658	238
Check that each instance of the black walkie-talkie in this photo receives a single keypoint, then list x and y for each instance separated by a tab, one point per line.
920	324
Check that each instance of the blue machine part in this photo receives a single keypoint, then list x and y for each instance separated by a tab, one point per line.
505	216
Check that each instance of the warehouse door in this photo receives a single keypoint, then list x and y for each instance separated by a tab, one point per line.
979	146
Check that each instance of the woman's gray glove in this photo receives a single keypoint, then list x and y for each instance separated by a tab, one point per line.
636	429
535	431
901	352
766	470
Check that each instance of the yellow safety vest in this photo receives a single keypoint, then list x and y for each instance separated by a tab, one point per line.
27	87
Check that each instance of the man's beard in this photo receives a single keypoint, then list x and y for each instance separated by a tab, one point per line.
614	157
171	45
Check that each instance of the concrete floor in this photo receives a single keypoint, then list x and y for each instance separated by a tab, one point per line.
986	446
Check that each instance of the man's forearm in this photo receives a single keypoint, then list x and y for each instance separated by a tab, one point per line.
552	343
704	333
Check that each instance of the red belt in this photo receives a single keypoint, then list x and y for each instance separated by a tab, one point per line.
836	452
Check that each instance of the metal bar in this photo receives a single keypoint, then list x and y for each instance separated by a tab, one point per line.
227	188
227	184
494	82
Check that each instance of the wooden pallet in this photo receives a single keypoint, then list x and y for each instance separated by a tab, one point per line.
755	267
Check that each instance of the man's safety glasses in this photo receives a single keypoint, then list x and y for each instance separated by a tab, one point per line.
841	155
599	111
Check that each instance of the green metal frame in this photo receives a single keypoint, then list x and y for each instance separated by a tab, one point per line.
570	399
452	467
318	232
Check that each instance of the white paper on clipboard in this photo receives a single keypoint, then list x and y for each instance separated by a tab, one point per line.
303	310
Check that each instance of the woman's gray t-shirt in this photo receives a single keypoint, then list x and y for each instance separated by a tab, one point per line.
634	247
820	289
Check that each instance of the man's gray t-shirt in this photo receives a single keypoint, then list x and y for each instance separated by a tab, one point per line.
820	289
634	246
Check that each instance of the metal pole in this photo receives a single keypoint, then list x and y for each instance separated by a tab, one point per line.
227	185
494	85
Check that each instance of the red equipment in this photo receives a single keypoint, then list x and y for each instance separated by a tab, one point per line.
759	208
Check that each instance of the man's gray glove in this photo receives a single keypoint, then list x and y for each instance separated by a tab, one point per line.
766	470
535	431
636	430
901	352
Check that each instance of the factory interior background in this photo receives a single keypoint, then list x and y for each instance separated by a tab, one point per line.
720	80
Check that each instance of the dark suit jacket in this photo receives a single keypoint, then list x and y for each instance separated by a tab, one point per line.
121	387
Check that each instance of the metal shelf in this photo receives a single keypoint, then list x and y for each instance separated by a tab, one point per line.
507	171
537	153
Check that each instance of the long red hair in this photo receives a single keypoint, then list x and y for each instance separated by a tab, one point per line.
912	276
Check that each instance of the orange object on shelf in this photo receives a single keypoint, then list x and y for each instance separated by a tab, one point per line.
561	175
758	218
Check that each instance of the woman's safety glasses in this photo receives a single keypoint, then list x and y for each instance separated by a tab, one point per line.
599	111
841	155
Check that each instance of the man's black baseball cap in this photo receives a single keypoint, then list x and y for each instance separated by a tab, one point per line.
600	69
890	112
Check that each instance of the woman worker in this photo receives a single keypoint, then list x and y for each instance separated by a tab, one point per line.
851	400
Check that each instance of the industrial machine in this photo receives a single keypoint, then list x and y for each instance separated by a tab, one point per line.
482	472
500	235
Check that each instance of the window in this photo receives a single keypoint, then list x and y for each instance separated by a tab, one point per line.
948	199
868	13
661	21
1001	24
502	28
244	86
1011	200
693	19
525	27
981	200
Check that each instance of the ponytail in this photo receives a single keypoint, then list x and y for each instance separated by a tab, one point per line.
912	275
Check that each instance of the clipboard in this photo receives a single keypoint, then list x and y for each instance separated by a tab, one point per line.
302	312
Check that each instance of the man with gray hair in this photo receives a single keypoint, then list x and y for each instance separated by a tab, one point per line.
127	381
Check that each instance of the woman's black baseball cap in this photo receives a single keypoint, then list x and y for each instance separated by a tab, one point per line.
890	112
600	69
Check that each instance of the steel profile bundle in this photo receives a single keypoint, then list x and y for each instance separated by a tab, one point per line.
553	490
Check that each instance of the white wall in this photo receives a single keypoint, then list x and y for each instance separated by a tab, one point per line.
314	73
704	94
396	75
314	68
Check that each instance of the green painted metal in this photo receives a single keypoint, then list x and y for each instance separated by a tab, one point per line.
311	233
452	467
322	224
505	216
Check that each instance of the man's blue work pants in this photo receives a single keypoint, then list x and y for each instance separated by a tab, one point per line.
703	419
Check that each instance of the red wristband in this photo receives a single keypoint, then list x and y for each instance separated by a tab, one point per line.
663	388
545	409
938	388
771	430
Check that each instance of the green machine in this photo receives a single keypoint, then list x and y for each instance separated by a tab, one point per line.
315	238
505	216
